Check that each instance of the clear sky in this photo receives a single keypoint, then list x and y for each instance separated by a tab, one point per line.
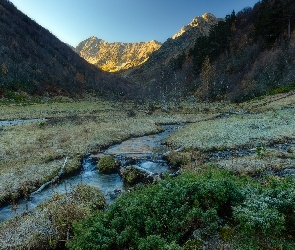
73	21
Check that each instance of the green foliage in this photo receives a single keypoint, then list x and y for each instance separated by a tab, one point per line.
16	96
107	165
260	151
161	216
156	242
272	21
283	89
248	214
42	124
215	43
132	175
267	214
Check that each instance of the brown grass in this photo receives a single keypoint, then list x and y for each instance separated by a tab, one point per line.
51	222
32	153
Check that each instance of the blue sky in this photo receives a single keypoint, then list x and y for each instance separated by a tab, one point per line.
73	21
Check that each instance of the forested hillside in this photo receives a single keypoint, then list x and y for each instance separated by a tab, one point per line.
250	54
35	62
245	55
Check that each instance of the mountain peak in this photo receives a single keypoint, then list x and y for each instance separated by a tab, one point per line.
115	56
204	22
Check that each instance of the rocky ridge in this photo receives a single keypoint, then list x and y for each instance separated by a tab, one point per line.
203	22
115	56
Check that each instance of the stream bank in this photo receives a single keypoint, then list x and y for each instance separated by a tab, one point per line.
144	152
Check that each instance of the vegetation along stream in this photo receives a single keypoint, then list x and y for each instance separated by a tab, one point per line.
144	153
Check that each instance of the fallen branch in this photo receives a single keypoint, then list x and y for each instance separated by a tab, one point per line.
174	151
53	180
143	170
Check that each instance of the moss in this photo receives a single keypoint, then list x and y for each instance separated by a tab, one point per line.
226	233
177	159
89	196
107	165
132	175
193	245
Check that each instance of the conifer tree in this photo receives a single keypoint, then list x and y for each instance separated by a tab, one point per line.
208	74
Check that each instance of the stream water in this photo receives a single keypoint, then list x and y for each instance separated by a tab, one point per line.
145	151
16	122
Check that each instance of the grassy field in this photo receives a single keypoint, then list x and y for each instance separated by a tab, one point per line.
238	131
33	153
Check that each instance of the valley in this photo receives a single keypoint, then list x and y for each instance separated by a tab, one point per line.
37	150
183	144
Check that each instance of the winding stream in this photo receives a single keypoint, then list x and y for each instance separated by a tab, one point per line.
145	151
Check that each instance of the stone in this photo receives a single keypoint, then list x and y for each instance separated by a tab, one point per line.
134	175
107	165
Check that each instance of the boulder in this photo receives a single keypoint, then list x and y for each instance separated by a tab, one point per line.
107	165
135	174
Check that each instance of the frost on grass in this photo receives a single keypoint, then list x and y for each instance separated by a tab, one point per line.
51	223
253	164
239	131
31	154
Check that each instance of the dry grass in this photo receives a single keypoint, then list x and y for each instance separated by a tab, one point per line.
254	164
32	153
272	102
271	120
238	131
50	223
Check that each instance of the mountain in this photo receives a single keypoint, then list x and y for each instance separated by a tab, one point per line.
35	62
237	58
161	72
116	56
203	23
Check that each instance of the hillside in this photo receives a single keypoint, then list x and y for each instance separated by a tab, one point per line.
35	62
116	56
164	70
242	56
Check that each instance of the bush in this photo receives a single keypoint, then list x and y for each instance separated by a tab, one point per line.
177	159
63	210
107	165
184	212
160	215
266	217
132	175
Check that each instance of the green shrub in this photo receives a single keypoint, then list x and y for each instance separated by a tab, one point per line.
267	214
160	215
168	215
107	165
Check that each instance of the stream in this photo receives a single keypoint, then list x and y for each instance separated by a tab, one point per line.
145	152
17	122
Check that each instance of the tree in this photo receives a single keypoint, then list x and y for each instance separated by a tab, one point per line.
272	21
4	69
208	74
